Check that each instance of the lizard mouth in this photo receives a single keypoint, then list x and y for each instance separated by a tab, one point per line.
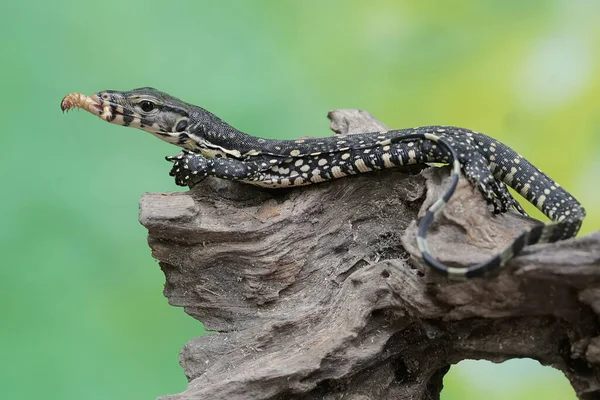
107	106
93	104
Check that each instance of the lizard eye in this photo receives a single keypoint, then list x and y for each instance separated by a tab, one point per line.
147	106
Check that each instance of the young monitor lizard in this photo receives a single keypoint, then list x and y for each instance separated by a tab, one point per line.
212	147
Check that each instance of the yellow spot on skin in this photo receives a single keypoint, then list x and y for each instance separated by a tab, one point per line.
387	160
322	161
386	148
510	176
285	181
361	166
540	201
119	120
337	172
345	156
412	157
316	178
299	162
385	142
525	189
298	181
136	123
304	168
295	153
456	168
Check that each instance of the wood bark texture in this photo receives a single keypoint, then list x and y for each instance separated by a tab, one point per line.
317	292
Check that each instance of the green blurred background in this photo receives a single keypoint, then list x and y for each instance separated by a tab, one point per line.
83	316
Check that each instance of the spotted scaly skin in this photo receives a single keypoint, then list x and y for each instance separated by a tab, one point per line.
212	147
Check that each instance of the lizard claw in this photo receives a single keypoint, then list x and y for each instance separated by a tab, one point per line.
179	156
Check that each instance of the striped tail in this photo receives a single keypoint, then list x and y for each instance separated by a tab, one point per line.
542	233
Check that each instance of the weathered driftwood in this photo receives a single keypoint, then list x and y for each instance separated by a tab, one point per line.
316	292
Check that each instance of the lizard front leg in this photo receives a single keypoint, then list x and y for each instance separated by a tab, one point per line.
189	167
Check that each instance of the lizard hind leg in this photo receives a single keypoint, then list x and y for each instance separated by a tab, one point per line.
515	203
494	191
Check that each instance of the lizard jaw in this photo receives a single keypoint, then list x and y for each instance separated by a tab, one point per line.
104	105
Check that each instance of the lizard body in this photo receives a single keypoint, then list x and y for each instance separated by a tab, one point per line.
213	147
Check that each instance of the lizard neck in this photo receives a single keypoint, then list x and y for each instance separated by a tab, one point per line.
213	137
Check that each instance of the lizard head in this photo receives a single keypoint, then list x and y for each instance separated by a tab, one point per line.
164	116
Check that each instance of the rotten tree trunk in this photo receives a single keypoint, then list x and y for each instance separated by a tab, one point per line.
316	292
